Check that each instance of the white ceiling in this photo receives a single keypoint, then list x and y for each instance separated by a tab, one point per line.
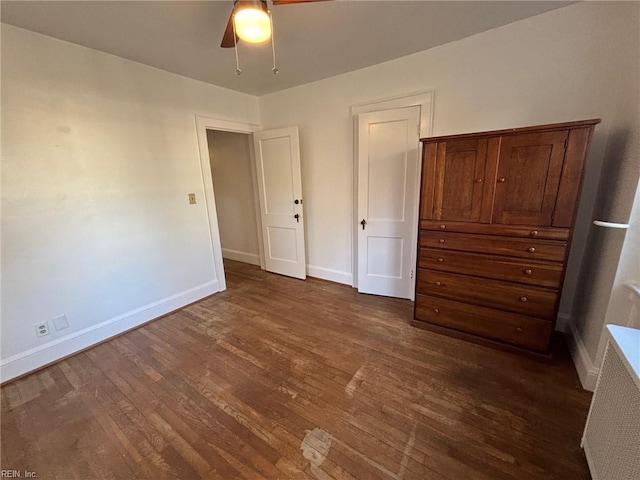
313	41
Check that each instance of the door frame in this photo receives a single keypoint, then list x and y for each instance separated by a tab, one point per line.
203	124
422	99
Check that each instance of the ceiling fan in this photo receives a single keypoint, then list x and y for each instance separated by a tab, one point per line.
252	21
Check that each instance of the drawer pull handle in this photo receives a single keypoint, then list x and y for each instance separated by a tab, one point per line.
442	227
523	299
502	180
478	180
441	240
518	329
533	233
440	259
437	310
531	249
438	284
528	271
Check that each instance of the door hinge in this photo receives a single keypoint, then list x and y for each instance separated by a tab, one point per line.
411	274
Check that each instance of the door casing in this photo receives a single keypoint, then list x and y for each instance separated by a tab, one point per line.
202	125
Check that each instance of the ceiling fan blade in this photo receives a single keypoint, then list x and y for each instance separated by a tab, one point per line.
228	40
290	2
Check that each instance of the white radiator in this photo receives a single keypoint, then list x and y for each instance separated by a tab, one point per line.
611	439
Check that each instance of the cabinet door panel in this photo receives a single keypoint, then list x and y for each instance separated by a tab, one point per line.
528	177
459	178
571	177
428	180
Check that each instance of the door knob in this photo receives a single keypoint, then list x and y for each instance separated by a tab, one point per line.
296	201
363	223
297	217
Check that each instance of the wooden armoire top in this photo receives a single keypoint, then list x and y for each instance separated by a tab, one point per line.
511	131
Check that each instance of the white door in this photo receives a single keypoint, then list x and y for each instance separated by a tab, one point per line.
388	182
280	192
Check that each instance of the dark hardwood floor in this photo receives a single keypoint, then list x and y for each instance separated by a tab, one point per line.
278	378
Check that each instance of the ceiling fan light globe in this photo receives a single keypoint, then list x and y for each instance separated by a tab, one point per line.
252	25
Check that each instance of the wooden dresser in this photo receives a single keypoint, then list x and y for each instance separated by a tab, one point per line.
496	214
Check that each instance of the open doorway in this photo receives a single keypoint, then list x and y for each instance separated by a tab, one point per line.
272	177
232	174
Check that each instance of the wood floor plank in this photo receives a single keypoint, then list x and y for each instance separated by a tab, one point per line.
262	464
277	378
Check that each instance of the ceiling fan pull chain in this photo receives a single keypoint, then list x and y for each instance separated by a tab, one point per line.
235	48
273	46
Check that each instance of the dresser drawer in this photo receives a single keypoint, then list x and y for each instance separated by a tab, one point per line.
553	250
518	330
510	269
549	233
522	299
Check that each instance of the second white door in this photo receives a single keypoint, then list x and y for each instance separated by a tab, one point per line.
280	194
388	182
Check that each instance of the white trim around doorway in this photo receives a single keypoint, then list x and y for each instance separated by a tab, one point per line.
202	125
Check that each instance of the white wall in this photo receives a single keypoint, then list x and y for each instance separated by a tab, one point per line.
623	306
554	67
614	255
611	260
98	156
230	159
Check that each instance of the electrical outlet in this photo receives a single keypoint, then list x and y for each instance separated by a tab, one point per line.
192	199
42	329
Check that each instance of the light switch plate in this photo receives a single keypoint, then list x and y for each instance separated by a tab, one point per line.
192	199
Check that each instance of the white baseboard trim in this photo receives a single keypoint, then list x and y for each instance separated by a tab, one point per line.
587	371
338	276
54	350
238	256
